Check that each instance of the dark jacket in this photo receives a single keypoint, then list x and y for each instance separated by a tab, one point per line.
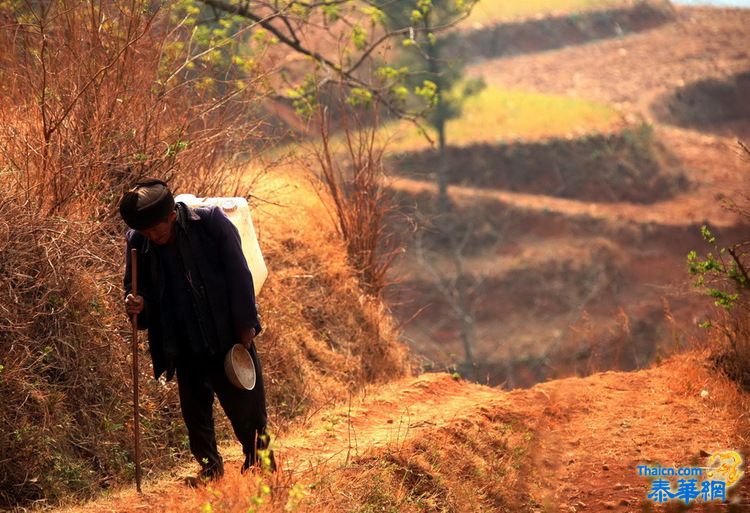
216	251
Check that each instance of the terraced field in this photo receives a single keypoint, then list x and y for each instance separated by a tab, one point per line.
578	182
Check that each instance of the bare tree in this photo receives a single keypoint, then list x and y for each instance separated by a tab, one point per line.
442	246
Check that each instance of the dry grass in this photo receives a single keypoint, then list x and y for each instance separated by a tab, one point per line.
332	334
353	179
471	465
65	379
472	460
731	346
97	95
86	111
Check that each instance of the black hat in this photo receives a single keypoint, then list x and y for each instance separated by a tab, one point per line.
146	204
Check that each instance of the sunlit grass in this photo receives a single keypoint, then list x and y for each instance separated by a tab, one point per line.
501	115
493	11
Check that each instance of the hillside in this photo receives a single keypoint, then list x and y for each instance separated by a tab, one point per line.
552	299
568	239
437	443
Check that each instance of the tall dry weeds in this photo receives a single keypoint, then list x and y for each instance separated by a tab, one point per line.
93	95
351	168
65	379
97	94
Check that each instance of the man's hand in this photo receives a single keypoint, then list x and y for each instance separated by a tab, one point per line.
133	304
246	338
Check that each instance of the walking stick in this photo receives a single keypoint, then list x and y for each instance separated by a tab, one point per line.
136	407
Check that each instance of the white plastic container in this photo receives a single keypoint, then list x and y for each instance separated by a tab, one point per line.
238	211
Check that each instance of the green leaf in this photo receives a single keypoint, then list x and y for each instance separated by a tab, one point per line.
174	149
332	11
375	14
424	5
359	96
707	235
428	91
359	37
723	299
300	11
389	73
401	93
303	97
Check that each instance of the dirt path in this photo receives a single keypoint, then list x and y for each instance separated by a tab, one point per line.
598	429
590	433
400	411
397	412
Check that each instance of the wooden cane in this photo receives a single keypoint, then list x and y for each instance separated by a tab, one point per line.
136	406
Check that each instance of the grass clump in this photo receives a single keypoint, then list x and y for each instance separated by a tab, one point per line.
470	465
64	388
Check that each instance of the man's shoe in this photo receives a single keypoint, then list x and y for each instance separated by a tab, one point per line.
269	464
212	473
247	464
205	476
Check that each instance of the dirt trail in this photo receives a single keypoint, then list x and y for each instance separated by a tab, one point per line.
397	412
589	433
598	429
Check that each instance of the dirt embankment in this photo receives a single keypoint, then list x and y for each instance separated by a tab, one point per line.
628	166
711	105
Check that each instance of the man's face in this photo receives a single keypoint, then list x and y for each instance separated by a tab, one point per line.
161	233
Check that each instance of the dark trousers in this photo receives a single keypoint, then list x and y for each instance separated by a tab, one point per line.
198	378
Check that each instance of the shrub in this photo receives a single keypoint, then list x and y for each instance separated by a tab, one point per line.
722	274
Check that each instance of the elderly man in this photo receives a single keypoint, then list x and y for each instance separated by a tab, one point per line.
196	297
